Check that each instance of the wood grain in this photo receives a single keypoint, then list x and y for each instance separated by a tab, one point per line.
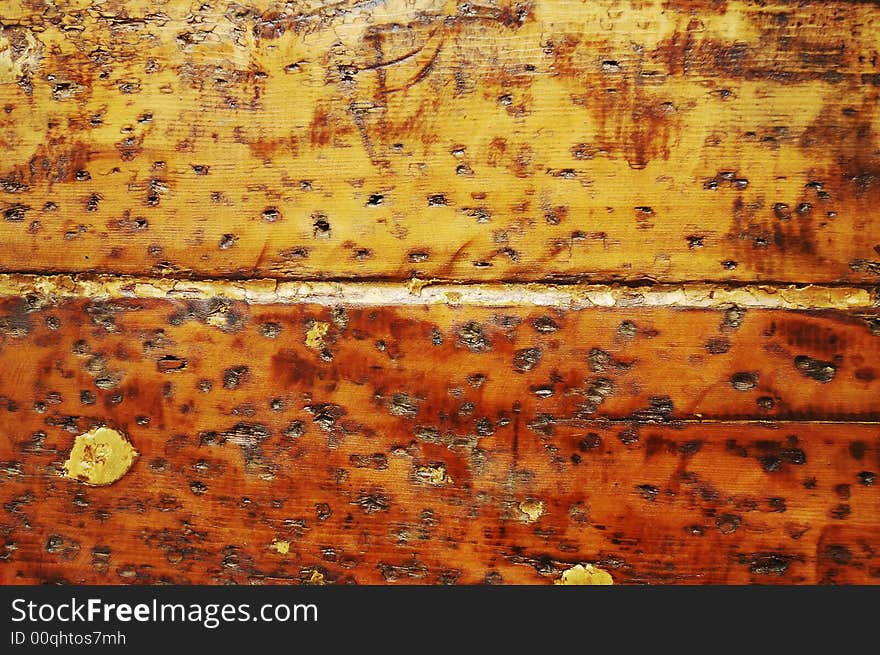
675	140
321	227
434	444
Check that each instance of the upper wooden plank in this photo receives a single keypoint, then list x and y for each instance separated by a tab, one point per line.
674	140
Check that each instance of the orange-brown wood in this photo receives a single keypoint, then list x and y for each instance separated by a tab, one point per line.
430	444
628	363
372	431
667	140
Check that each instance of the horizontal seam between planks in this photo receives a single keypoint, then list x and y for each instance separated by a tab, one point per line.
417	291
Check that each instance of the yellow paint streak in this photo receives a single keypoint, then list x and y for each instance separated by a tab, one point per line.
99	457
533	509
587	574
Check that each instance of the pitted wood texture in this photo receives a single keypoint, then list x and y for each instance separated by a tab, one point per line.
652	364
474	141
439	444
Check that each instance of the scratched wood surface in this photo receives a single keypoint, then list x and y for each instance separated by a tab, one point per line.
498	140
438	444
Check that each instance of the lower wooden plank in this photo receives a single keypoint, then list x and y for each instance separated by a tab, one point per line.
701	504
294	443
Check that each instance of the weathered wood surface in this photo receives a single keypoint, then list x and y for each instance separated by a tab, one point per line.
672	140
723	427
434	444
637	363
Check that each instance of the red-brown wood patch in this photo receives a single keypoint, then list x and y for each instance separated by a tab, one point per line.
411	444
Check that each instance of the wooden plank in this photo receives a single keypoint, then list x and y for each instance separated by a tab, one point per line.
478	141
694	505
658	364
286	443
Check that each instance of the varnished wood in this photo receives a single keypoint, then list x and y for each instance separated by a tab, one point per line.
417	444
473	141
327	423
652	363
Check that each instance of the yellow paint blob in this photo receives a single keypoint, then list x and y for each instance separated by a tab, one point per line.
217	319
281	547
317	578
100	457
315	335
435	475
533	509
580	574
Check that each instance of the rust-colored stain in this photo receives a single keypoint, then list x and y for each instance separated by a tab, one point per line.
438	292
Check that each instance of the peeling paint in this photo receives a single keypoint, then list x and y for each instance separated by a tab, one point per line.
100	457
588	574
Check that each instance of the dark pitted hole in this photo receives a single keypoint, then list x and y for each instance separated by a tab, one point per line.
782	211
271	214
590	442
321	225
15	214
765	402
815	369
744	381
